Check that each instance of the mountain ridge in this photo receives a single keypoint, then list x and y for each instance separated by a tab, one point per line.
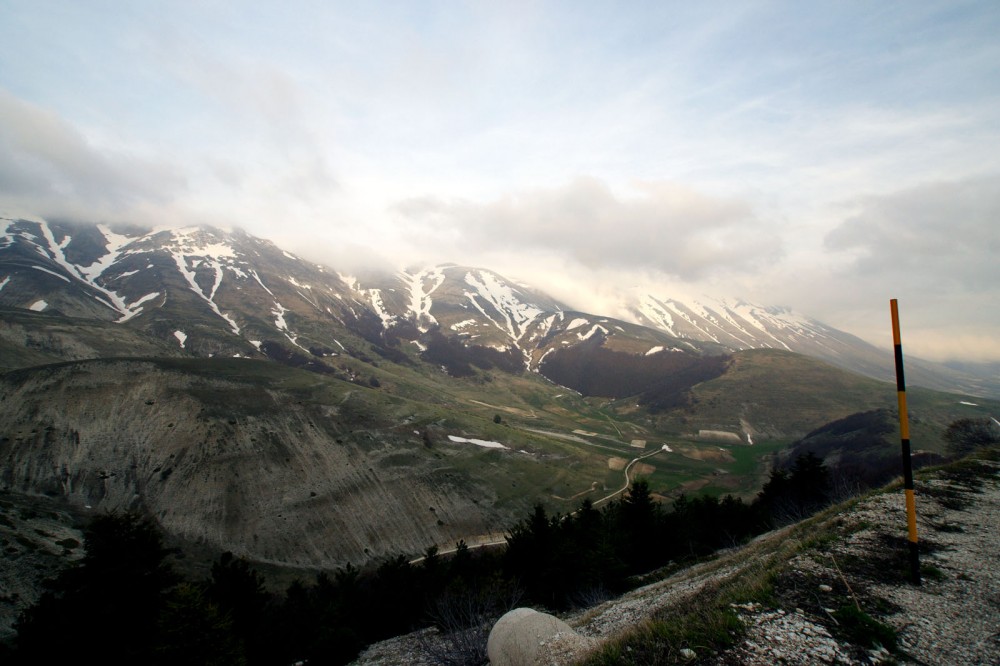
278	305
290	394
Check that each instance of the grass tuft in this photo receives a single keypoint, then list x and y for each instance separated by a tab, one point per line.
860	628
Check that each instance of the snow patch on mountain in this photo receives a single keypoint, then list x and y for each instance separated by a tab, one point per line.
350	281
546	326
261	282
736	324
515	315
542	359
112	250
38	306
90	275
279	316
478	442
375	300
577	323
654	350
593	331
45	270
421	285
136	307
181	337
280	323
196	241
55	253
181	261
754	315
6	239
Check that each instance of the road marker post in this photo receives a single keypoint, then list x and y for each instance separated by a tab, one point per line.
904	434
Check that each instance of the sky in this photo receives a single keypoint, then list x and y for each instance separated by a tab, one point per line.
823	156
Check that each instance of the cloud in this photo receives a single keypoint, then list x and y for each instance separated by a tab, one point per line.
937	234
656	225
249	126
47	166
934	247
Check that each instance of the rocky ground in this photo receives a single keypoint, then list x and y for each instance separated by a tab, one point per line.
953	617
37	540
840	587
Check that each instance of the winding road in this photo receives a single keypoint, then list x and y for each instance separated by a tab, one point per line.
491	540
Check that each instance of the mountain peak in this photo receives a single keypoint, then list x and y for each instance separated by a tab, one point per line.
224	291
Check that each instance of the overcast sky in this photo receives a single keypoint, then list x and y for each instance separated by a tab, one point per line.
826	156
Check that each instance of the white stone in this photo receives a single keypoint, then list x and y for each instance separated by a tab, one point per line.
525	637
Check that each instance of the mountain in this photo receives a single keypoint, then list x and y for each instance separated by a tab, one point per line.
256	402
213	292
224	292
207	291
251	456
738	325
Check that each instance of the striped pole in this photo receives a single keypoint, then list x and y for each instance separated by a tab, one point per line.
904	434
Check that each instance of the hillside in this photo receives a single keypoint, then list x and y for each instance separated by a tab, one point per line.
831	589
276	464
292	467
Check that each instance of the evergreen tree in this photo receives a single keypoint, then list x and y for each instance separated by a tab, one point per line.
113	598
238	591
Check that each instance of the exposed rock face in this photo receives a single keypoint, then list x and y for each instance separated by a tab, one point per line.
234	463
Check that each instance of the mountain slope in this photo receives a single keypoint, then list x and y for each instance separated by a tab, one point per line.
739	325
273	463
208	291
833	588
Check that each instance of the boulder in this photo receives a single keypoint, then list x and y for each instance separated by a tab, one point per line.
526	637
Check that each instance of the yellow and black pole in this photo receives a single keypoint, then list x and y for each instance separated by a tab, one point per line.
904	434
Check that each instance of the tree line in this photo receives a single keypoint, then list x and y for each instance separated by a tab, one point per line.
124	603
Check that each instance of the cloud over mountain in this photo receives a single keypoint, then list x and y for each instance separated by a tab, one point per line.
48	166
935	232
657	225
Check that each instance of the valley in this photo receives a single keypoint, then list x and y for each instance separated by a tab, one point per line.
256	403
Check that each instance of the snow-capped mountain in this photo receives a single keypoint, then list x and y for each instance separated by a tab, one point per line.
484	310
738	325
207	291
474	303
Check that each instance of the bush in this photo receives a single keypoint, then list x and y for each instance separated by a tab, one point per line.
966	435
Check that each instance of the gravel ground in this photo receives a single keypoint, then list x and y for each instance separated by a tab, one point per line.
953	618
